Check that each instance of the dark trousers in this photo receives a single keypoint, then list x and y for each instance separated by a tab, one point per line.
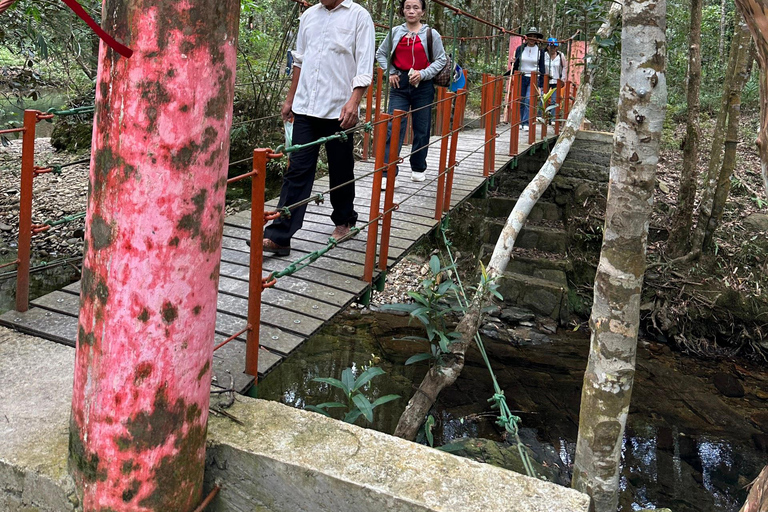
300	176
407	97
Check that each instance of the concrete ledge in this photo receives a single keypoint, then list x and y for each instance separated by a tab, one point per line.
292	460
594	136
36	376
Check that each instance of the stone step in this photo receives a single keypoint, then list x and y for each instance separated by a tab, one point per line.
542	210
555	271
541	296
543	238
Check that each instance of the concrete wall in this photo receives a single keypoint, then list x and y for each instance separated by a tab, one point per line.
281	459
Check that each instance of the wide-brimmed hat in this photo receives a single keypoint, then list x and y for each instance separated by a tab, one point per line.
533	31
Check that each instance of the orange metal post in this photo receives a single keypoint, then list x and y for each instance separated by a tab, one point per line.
380	143
255	285
487	113
559	108
498	94
389	193
379	92
533	109
368	116
439	110
408	130
445	126
458	119
545	90
514	118
567	99
25	209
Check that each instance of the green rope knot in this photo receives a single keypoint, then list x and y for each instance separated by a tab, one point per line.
368	127
285	212
56	169
319	198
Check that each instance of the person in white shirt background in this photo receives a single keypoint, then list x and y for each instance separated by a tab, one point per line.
332	68
554	66
529	57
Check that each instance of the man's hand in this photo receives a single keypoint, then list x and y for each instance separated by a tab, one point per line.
286	113
348	116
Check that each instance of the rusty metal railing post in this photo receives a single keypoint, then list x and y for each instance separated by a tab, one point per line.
368	115
532	108
25	209
487	114
389	193
379	143
514	118
256	262
544	91
379	92
444	109
458	119
559	107
567	100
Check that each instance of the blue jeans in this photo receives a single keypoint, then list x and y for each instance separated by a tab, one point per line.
525	92
407	97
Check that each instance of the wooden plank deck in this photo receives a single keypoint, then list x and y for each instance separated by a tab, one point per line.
299	304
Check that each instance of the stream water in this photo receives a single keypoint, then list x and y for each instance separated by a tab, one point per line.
686	447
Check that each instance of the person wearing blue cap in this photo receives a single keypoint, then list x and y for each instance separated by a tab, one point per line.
554	65
416	56
529	58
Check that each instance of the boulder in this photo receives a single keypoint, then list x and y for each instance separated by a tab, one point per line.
756	222
728	385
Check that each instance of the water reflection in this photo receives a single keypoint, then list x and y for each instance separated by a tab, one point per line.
666	462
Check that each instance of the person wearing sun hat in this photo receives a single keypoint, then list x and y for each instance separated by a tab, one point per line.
554	65
528	58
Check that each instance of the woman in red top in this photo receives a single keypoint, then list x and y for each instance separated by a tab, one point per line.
410	71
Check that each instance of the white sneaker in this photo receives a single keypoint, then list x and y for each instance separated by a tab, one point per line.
384	183
525	127
418	176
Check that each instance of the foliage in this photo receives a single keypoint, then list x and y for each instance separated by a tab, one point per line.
357	404
431	307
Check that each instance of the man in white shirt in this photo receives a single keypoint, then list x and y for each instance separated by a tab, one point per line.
332	68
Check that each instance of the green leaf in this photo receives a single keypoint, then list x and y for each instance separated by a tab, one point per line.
444	287
348	379
399	307
428	424
384	399
443	342
330	405
366	376
418	298
333	382
418	357
364	405
352	416
434	264
316	409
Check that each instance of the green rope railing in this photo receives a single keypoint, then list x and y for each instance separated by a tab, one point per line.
64	220
342	136
310	258
57	168
88	109
506	419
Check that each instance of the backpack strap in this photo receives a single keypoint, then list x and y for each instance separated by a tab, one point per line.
429	45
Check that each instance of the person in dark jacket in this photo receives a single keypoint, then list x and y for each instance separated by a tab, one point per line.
529	57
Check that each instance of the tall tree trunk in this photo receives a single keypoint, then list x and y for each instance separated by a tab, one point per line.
744	69
756	14
732	89
615	316
440	377
723	19
681	225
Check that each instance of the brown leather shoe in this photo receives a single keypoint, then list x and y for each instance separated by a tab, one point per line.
340	232
271	247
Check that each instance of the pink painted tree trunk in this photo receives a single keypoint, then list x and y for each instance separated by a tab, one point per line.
152	251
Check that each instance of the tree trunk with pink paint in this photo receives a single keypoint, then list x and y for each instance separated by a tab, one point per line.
152	252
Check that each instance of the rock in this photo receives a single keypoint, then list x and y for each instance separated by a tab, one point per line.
761	442
73	241
515	315
756	222
762	395
760	420
583	192
5	227
728	385
348	329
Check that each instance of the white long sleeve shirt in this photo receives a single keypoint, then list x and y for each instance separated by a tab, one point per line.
555	67
335	51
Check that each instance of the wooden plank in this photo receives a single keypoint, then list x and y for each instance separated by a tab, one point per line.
44	324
